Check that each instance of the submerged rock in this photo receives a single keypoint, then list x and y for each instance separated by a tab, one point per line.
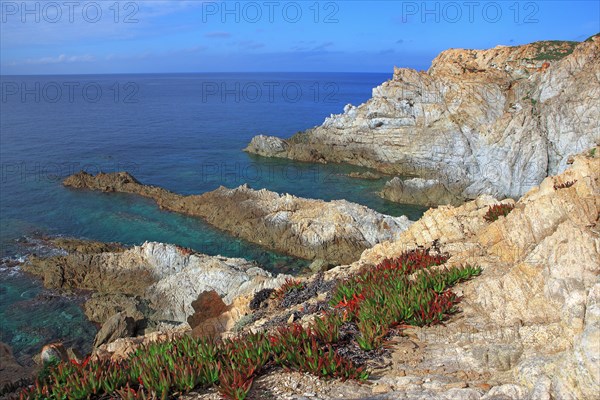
336	231
479	122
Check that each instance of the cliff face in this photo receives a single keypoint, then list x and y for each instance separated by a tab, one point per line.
477	122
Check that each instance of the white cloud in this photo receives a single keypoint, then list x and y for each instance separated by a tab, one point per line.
61	59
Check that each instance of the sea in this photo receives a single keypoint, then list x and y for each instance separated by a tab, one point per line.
184	132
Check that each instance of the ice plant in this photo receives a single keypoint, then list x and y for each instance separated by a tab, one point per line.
288	286
327	328
498	210
234	383
400	291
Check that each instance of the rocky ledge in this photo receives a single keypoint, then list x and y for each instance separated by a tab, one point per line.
152	287
334	231
477	122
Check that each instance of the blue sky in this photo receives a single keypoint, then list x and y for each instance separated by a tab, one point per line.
82	37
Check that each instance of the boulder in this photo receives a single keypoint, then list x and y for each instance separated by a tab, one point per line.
120	325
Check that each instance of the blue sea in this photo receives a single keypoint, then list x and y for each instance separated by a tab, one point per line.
184	132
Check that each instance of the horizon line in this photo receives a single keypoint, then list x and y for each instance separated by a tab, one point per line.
209	72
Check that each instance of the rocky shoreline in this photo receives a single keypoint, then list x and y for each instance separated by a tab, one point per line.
527	328
477	122
335	231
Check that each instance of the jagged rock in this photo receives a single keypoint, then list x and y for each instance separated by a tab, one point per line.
267	145
491	122
101	306
123	347
320	265
166	279
208	305
532	319
91	266
191	275
216	323
337	231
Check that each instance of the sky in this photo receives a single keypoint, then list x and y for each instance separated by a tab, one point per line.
109	36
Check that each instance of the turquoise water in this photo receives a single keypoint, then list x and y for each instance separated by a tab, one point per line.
168	130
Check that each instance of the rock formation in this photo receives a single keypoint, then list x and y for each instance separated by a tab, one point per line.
530	324
477	122
336	231
153	284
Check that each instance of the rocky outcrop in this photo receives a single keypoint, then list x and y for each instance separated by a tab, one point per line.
101	306
142	288
530	324
528	327
477	122
336	231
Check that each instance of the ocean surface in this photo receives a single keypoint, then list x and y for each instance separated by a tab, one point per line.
184	132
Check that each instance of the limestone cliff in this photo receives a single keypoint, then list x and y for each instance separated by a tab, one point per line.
477	122
336	231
